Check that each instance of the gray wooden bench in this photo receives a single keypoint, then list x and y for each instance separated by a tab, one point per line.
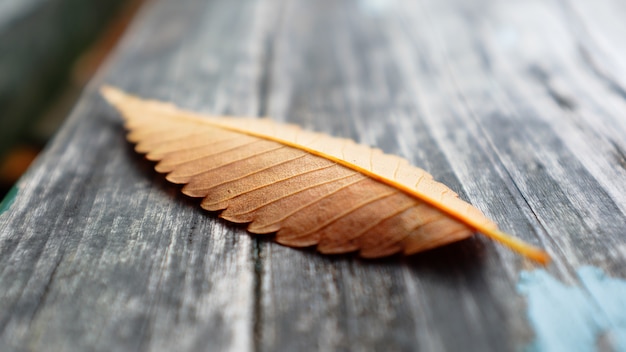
519	106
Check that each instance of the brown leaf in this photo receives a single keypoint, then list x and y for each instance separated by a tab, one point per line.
309	188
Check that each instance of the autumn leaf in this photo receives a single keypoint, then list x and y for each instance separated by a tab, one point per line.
309	188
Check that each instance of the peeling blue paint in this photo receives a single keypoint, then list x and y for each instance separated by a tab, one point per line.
610	295
8	200
571	318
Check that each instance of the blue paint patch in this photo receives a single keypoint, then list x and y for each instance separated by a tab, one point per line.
610	295
570	318
8	200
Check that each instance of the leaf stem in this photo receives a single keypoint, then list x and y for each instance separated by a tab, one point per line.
517	245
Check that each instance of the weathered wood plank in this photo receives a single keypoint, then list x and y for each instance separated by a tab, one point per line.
442	84
96	252
515	105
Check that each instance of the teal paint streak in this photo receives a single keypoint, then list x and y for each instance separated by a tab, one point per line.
570	318
8	200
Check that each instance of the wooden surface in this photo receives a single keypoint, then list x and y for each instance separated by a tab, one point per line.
519	106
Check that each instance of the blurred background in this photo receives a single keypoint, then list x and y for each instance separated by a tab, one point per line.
49	49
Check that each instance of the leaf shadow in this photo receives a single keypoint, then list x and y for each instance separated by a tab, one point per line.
468	256
144	168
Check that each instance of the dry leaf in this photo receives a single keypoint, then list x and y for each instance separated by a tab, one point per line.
309	188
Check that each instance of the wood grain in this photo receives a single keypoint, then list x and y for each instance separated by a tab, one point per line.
518	106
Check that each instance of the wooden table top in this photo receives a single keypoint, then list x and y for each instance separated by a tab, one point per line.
518	106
